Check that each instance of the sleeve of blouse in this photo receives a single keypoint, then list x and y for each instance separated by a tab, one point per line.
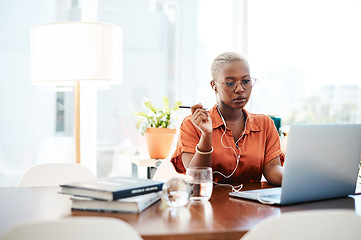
273	146
188	139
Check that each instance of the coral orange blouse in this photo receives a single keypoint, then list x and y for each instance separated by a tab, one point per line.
258	146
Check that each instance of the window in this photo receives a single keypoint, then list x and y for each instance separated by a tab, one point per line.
27	115
168	47
305	55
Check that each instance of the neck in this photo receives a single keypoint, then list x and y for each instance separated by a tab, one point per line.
230	114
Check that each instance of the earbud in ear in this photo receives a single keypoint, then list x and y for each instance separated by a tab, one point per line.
214	87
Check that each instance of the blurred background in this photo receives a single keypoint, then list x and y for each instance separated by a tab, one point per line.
305	55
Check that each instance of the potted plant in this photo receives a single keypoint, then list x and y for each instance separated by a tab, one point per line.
157	125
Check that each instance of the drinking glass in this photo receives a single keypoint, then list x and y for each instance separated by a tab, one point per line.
201	182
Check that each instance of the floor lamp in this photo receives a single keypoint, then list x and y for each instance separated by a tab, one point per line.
76	54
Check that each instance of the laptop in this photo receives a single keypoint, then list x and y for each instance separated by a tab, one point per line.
322	162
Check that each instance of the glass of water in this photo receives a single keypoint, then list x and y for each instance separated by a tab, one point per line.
201	182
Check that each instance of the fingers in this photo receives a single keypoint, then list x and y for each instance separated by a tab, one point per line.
201	119
196	106
199	114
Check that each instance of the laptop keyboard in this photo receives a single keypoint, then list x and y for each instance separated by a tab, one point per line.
276	195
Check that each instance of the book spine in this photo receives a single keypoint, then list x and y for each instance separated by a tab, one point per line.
137	191
145	204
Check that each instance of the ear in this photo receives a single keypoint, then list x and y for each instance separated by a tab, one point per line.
213	84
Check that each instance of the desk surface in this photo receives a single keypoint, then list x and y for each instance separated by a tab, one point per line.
223	217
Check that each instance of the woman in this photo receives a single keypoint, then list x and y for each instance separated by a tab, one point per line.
238	145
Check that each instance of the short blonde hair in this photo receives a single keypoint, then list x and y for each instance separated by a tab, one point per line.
223	58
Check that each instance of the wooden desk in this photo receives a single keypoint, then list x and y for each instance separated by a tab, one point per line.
222	217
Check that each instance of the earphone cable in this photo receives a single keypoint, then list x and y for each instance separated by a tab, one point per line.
239	155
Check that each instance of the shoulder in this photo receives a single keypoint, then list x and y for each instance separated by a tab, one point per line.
261	119
259	122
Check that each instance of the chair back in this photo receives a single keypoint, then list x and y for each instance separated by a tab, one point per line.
310	225
73	228
54	174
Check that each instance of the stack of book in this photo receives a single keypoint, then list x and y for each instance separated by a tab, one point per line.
114	194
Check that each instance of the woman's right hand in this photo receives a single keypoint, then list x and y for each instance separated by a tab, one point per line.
201	119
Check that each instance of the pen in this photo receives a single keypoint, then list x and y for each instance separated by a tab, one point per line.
182	106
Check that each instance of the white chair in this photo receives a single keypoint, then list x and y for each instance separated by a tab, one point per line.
73	228
54	174
310	225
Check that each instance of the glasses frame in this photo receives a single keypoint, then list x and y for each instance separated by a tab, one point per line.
236	84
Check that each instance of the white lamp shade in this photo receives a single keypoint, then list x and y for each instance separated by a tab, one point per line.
62	53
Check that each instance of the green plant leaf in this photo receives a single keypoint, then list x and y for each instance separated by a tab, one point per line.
141	114
156	117
176	106
140	121
150	106
165	104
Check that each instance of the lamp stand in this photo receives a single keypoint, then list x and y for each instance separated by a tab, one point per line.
77	120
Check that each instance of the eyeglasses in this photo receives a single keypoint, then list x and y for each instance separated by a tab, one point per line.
231	86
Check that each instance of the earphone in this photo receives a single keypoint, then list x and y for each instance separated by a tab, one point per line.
238	157
240	151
